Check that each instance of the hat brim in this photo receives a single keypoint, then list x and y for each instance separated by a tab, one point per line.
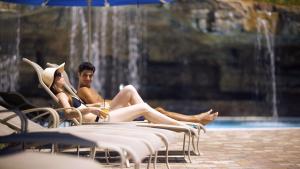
48	74
61	67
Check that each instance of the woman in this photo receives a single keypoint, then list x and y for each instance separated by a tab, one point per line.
53	78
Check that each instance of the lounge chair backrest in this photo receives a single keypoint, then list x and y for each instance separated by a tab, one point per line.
10	123
5	130
39	71
15	100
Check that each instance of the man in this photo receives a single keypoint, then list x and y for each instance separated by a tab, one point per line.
127	96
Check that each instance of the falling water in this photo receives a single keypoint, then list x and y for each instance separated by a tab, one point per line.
118	41
9	73
78	49
263	27
95	50
84	33
134	53
103	53
73	49
124	38
104	13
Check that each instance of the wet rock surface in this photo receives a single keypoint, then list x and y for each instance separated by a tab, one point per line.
192	55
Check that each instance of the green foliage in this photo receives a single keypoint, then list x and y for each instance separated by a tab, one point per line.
281	2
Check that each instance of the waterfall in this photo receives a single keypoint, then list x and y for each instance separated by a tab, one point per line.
9	69
134	53
103	53
95	51
263	28
73	49
78	42
115	48
124	38
118	53
84	33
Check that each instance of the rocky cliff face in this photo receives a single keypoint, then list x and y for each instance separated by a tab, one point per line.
186	56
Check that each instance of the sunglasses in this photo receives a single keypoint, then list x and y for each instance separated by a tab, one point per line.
58	74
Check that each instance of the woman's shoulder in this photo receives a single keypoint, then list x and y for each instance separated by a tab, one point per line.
61	95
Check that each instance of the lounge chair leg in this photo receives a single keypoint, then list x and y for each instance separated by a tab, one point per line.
126	159
127	163
77	149
54	148
137	166
93	153
149	161
194	145
183	146
198	139
155	159
189	145
106	156
167	157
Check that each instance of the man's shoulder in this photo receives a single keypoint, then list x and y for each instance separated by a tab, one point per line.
83	90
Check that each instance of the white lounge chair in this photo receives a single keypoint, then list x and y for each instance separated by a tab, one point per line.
136	148
34	160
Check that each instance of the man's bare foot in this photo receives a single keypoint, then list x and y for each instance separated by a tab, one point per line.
207	117
160	109
203	118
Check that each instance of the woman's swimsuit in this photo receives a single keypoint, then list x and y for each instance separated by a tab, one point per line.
79	104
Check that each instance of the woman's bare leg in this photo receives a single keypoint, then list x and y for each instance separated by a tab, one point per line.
202	118
132	112
127	96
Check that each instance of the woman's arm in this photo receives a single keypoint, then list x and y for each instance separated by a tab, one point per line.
64	101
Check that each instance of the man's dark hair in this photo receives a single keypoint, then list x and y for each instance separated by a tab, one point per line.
86	66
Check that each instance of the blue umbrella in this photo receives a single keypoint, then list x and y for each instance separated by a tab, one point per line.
86	2
89	4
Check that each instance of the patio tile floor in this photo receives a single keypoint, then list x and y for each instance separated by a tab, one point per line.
243	149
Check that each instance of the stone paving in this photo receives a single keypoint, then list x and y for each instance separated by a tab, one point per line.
243	149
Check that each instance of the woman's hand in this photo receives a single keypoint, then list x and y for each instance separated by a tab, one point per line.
99	112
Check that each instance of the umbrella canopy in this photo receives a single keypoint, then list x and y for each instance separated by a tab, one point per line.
85	2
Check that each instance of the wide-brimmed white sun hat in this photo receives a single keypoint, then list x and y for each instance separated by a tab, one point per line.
48	74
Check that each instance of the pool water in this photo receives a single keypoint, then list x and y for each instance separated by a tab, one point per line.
280	123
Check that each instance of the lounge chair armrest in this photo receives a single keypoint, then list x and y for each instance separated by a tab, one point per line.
76	112
198	125
201	126
165	126
47	111
94	105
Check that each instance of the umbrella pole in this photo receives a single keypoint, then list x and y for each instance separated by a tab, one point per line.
89	29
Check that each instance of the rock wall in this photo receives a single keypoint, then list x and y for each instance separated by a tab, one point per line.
193	55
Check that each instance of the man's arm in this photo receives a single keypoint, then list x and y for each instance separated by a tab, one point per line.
89	96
